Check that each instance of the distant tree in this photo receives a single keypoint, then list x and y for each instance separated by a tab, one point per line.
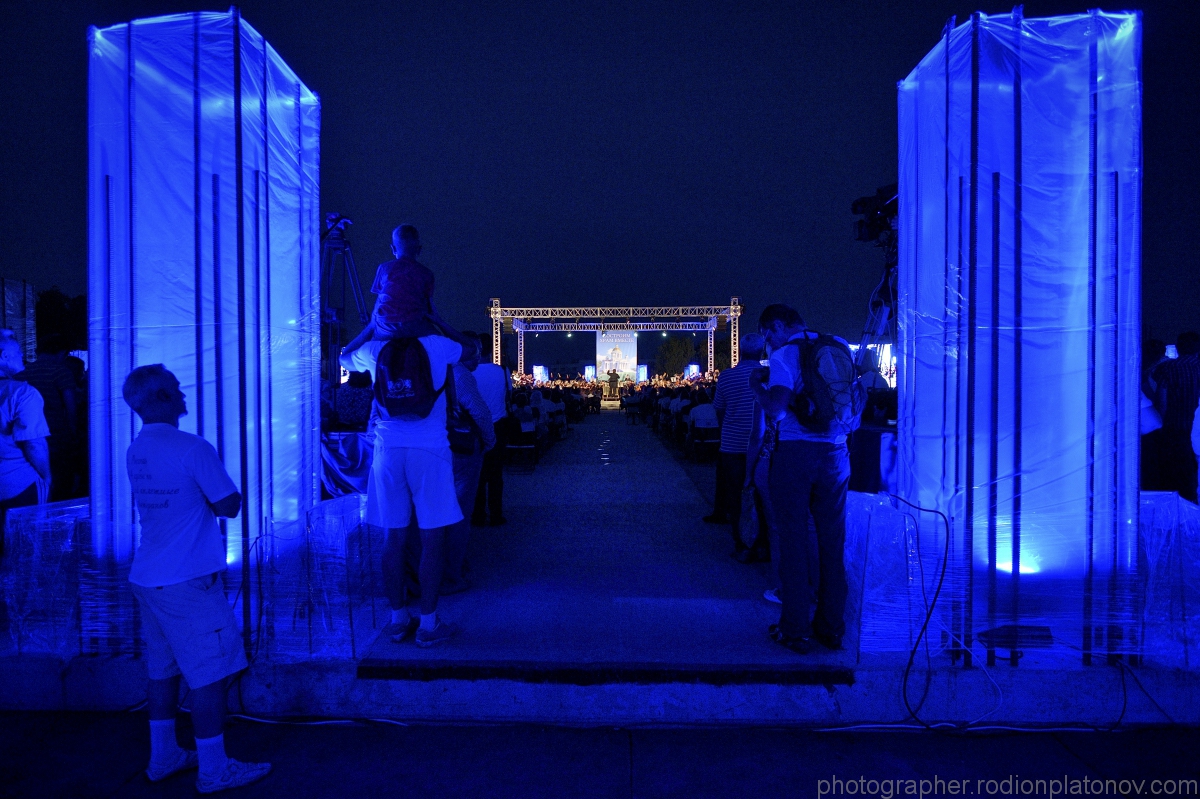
721	360
674	354
62	319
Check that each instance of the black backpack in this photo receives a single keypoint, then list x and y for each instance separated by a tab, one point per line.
832	398
404	381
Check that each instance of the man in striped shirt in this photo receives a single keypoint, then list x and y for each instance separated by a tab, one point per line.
735	412
1178	393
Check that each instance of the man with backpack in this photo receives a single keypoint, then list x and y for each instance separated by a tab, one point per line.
412	468
812	395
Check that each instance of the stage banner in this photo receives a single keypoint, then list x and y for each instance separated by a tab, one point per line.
616	350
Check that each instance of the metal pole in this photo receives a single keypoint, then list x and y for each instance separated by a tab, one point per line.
1018	408
1090	520
711	341
520	352
497	330
735	310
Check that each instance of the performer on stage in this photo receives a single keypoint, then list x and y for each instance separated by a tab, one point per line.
614	378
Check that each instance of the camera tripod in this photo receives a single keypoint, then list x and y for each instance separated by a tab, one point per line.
338	275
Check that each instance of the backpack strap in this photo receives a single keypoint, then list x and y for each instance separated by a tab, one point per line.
448	387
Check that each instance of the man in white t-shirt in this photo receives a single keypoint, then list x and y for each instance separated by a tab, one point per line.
181	487
809	474
413	469
493	384
24	451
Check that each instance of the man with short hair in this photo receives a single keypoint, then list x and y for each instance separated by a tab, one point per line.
24	453
181	487
809	473
413	469
467	466
734	405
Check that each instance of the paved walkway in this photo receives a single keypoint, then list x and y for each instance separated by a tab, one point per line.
81	755
605	559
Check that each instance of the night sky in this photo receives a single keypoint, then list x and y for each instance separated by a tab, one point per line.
585	153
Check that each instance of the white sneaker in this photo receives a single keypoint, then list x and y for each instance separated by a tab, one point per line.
183	760
236	773
443	632
772	595
398	632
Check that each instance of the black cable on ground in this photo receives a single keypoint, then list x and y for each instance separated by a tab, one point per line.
912	655
1125	667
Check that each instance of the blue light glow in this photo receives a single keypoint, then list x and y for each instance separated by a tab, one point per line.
1019	328
155	298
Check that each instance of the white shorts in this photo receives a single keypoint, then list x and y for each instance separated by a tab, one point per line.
405	477
188	627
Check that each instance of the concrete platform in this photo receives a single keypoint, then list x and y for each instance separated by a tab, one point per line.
606	573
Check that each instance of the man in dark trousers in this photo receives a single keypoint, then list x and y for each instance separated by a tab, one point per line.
489	498
734	403
810	473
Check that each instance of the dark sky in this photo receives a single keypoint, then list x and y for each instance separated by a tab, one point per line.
590	153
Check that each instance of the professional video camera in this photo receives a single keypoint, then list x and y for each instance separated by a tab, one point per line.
879	214
878	226
335	225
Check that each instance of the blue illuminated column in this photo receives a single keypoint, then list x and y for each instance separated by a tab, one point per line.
203	256
1020	209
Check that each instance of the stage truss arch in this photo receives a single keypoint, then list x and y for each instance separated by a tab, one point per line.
686	318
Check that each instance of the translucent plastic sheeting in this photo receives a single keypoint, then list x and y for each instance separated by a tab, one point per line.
1169	554
203	234
18	313
1020	208
322	589
60	597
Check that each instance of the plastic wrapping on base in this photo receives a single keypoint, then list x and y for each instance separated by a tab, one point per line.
1169	552
62	595
18	307
898	569
323	597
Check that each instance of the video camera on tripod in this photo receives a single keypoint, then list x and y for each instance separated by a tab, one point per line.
335	226
339	277
878	226
878	214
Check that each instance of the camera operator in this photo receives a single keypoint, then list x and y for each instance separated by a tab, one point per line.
809	473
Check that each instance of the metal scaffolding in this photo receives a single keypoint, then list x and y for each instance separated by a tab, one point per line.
693	318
